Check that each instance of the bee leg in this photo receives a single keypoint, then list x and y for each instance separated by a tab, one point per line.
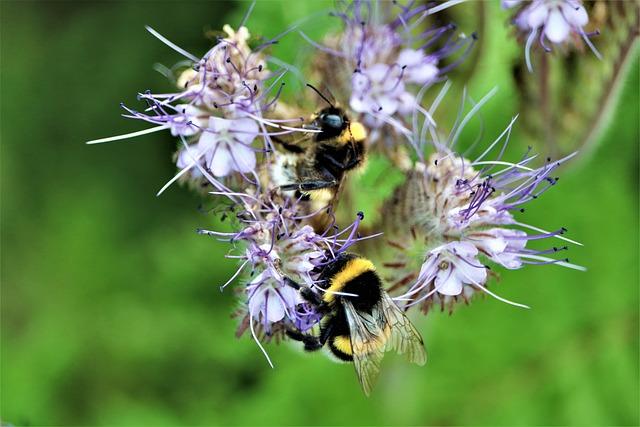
325	333
290	282
352	163
311	297
343	165
309	185
336	163
311	342
315	300
308	295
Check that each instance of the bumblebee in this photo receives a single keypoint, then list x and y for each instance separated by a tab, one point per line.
361	320
314	167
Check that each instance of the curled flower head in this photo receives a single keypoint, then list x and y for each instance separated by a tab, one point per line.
281	252
277	249
218	111
386	60
462	220
228	81
557	21
270	298
229	77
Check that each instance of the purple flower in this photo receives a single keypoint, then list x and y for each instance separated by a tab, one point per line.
454	265
227	82
552	20
419	67
269	302
388	61
229	77
380	90
466	215
279	247
218	111
501	245
223	147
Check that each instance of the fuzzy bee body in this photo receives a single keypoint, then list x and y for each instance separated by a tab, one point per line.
315	166
361	321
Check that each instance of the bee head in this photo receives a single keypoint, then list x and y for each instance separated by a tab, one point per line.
332	122
335	125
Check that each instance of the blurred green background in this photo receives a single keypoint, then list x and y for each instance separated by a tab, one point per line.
111	312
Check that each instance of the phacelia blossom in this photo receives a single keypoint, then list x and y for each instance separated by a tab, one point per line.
224	147
387	58
218	110
227	82
221	101
229	77
557	21
451	219
464	219
278	247
454	267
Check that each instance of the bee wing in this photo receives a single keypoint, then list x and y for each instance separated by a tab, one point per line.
386	328
405	338
367	345
288	145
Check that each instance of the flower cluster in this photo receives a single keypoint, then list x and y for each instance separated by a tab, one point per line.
277	251
557	21
219	109
384	60
462	216
450	218
282	252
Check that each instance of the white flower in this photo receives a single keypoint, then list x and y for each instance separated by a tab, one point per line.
189	120
226	145
553	20
187	158
380	89
271	300
557	18
419	68
501	245
456	265
301	252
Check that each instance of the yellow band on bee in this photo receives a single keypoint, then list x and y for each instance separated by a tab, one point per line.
352	269
356	132
323	195
343	343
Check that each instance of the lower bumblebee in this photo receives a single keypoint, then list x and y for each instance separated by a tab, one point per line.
361	320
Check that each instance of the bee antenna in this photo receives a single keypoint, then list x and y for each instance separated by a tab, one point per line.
321	95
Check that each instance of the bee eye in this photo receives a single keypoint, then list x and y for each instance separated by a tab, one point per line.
332	120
